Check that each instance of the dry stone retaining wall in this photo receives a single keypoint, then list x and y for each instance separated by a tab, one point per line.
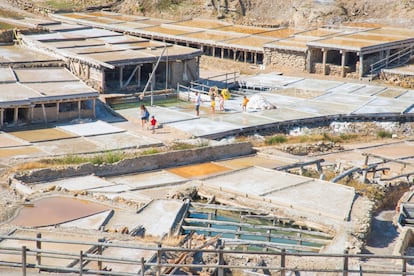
292	59
141	163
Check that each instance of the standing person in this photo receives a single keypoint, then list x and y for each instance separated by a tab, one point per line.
221	102
245	101
213	95
198	103
144	116
153	123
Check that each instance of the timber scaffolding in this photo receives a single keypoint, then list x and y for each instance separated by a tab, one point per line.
273	233
348	50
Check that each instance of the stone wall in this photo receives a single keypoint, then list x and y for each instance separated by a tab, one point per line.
140	164
6	36
285	58
399	79
331	69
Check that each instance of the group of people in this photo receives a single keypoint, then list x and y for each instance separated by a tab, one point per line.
145	115
224	95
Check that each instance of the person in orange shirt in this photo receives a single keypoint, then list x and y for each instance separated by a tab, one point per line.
245	101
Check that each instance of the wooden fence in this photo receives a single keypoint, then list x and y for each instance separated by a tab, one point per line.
95	261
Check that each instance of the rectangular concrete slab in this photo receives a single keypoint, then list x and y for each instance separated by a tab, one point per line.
7	141
6	74
20	152
383	105
15	94
76	183
270	80
245	162
64	89
168	115
328	199
286	114
68	146
13	53
406	96
123	140
255	181
42	134
165	211
344	98
347	88
44	75
315	84
325	108
147	180
202	126
90	222
90	128
243	119
369	90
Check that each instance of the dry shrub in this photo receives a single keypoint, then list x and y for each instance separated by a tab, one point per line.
31	166
173	240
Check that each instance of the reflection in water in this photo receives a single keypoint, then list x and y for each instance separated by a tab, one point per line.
55	210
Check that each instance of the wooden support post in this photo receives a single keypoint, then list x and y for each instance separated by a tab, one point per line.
79	108
57	111
213	51
16	115
324	57
366	160
220	262
345	264
139	76
80	263
1	117
255	58
269	234
234	55
44	113
31	112
38	247
282	262
121	76
103	80
245	56
142	266
94	107
100	250
404	266
361	65
159	256
24	259
222	53
343	62
131	76
309	61
299	237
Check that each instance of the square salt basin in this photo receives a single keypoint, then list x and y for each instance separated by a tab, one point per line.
147	180
203	126
43	134
255	180
76	183
92	128
68	146
245	162
199	170
21	152
122	141
7	140
314	84
317	197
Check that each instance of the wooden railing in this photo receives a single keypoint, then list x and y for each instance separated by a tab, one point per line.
94	261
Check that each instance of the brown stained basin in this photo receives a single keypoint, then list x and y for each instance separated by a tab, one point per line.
38	135
55	210
198	170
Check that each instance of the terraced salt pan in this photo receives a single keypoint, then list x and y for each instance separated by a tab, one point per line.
92	128
7	140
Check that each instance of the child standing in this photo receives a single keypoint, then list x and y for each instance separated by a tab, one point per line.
153	124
